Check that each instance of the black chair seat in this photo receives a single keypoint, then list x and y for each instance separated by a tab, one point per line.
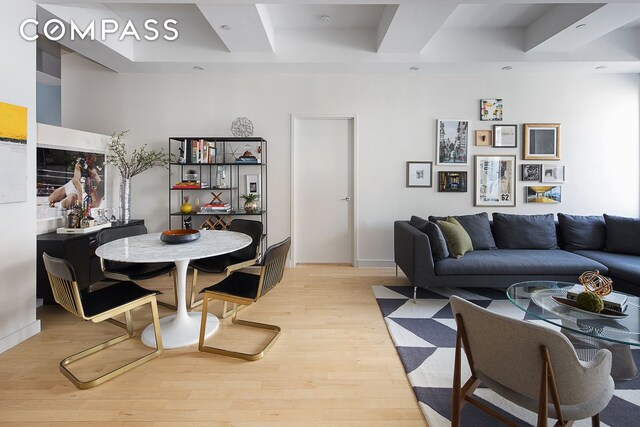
143	271
216	264
238	284
101	300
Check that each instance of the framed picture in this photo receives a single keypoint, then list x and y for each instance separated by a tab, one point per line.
531	172
491	109
552	173
484	138
505	136
452	182
253	184
452	142
541	141
419	174
544	194
495	181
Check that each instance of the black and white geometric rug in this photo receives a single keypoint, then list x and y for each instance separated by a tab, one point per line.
424	335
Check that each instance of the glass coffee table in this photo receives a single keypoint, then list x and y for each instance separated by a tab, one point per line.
588	332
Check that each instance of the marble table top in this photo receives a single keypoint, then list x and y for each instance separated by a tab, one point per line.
149	247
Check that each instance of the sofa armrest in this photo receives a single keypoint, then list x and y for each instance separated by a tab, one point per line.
412	253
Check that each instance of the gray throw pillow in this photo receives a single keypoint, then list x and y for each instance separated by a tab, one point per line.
479	230
524	231
436	239
623	234
582	232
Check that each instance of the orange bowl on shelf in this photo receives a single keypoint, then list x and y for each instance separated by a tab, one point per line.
179	236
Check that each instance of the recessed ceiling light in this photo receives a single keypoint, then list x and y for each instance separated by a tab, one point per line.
414	68
225	27
325	18
581	26
507	67
601	67
198	68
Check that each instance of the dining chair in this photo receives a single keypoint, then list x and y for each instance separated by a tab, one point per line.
241	288
233	261
97	306
133	271
524	363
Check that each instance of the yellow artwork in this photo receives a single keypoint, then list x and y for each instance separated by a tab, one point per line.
13	123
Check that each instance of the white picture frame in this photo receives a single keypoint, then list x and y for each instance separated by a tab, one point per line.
252	184
495	180
552	173
452	142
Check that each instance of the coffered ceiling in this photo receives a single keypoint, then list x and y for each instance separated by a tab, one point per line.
428	36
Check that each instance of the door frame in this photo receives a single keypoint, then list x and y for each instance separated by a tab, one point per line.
354	170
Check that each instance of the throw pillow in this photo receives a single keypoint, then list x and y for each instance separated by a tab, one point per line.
436	239
582	232
623	234
456	236
479	230
524	231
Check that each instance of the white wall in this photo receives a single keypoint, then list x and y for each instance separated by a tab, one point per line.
18	220
397	113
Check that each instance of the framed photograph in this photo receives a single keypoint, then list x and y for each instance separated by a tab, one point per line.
253	184
552	173
419	174
541	141
531	172
505	136
544	194
495	181
491	109
484	138
452	142
452	182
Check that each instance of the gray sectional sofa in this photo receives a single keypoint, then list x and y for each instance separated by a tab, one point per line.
514	248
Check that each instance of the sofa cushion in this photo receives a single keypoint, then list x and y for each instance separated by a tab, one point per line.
479	230
623	266
582	232
457	238
524	231
623	234
519	262
436	239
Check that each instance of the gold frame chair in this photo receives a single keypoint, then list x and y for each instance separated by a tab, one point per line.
241	288
128	296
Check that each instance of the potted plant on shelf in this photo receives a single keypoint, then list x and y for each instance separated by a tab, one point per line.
251	205
141	160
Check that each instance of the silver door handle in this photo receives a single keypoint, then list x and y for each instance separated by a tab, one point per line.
348	199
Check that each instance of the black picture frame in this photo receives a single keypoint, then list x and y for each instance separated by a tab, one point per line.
505	136
452	181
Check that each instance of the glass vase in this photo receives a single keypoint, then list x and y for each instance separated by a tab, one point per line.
125	199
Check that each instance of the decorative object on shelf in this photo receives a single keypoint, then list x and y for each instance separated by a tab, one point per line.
221	179
552	173
216	198
191	175
253	184
74	217
452	182
495	181
544	194
491	109
419	174
452	142
242	127
186	224
595	282
251	204
531	172
505	136
186	207
541	141
484	138
179	236
141	160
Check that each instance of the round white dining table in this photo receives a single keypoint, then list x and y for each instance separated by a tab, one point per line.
183	328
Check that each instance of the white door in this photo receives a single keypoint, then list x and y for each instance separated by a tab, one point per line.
323	190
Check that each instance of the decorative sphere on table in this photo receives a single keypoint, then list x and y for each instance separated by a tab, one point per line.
242	127
590	302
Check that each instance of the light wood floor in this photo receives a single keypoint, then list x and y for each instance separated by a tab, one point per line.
334	364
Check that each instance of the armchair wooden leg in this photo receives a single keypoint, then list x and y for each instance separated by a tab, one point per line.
595	420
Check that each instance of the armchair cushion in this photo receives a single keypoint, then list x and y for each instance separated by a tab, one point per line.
622	234
457	238
524	231
582	232
139	271
479	230
436	239
101	300
244	285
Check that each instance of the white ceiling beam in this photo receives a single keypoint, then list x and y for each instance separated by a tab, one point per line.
408	28
558	30
250	28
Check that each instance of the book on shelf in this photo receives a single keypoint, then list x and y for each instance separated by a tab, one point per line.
186	185
614	301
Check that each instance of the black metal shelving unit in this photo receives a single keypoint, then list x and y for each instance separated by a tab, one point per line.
209	169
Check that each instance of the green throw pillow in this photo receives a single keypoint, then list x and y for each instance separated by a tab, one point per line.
457	238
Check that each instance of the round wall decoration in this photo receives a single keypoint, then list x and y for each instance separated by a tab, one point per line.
242	127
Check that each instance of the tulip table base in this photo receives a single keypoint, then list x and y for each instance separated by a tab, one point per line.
180	332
